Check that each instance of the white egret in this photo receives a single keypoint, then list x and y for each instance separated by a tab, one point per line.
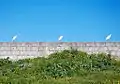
14	37
60	38
108	37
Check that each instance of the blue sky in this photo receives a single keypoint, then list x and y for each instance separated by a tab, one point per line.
46	20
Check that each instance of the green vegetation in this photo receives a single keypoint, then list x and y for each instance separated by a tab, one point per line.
66	67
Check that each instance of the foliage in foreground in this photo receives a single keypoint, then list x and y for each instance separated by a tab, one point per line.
66	67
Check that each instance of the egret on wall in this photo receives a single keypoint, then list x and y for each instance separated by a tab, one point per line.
108	37
13	38
108	51
60	38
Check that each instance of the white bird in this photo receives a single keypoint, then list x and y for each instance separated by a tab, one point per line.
14	37
108	37
60	38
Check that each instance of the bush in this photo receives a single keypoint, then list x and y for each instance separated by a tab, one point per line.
68	63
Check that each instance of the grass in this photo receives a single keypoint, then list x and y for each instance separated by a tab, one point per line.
66	67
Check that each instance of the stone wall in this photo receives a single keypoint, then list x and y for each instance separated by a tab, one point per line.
21	50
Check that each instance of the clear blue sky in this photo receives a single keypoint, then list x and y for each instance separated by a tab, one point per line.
46	20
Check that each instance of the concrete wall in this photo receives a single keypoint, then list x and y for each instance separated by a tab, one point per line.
21	50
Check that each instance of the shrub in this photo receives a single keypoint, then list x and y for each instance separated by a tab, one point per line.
60	65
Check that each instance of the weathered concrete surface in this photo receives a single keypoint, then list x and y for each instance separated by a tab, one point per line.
21	50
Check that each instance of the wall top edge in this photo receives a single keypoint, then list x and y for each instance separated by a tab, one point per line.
65	42
59	42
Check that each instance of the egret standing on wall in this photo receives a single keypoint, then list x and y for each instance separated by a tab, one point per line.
60	38
108	37
14	37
